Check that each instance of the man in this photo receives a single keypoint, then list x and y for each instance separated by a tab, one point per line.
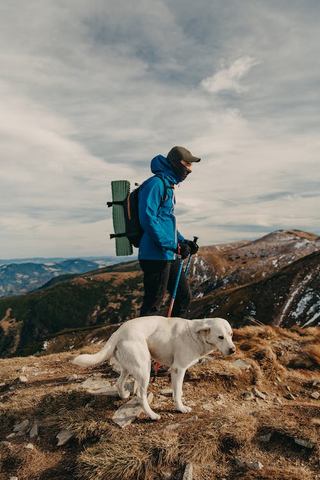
162	243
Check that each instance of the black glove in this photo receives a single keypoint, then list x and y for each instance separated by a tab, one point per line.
194	247
183	249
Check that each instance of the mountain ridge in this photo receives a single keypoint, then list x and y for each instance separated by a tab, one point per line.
241	280
25	276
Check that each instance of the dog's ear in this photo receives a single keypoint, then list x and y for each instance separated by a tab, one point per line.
203	330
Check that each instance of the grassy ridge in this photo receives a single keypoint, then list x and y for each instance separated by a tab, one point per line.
81	301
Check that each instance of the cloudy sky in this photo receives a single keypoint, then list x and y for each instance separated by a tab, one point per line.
91	90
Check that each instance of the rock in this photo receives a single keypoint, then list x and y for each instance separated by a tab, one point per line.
29	446
248	396
288	388
304	443
72	377
175	426
34	431
188	472
258	394
13	478
315	395
93	384
63	437
277	401
112	391
241	364
208	406
23	379
11	435
265	438
315	383
6	444
21	427
250	465
22	370
128	412
167	392
108	391
254	465
289	396
165	475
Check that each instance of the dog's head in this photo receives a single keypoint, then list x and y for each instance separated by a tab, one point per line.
217	332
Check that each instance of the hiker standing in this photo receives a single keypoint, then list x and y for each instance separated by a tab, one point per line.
162	243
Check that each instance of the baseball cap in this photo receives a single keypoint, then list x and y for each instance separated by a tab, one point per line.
181	153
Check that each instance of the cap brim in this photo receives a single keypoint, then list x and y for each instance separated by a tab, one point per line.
194	159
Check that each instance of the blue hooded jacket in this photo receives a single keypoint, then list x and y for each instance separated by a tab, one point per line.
161	237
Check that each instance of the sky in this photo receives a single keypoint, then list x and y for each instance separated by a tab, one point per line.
92	90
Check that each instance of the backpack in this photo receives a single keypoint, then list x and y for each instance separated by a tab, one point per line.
125	214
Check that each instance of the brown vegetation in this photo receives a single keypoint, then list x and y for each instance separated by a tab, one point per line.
227	432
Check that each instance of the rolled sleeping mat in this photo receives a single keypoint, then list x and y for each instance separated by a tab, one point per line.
120	189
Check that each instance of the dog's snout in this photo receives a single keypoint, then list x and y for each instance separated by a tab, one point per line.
232	350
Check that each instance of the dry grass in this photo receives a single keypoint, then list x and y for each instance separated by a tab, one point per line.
211	439
199	444
113	461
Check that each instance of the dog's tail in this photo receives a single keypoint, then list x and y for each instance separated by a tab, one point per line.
104	354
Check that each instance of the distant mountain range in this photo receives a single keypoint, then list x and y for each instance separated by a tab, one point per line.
24	275
273	280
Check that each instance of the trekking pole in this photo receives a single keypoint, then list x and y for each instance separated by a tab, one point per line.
175	288
157	364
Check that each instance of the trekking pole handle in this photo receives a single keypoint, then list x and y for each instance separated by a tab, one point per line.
189	258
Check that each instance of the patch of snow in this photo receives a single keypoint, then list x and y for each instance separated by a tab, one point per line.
311	320
294	293
302	305
301	244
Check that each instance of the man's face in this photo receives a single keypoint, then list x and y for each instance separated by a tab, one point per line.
188	165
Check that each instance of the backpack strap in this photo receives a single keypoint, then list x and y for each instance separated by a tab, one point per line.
166	187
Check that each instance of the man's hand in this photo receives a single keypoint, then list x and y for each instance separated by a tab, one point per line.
194	247
183	250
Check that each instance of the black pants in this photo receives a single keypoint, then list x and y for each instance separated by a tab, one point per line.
159	277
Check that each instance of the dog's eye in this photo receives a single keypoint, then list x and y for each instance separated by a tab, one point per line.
221	337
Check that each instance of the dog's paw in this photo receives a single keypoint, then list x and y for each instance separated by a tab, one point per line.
124	394
185	409
155	416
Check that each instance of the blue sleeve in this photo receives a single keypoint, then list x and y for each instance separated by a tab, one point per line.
180	237
150	198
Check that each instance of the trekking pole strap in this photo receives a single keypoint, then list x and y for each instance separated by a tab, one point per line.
189	258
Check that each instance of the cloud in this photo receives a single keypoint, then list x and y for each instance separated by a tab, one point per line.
91	91
228	79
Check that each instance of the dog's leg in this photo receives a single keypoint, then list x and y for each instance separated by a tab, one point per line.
143	382
134	358
123	393
177	376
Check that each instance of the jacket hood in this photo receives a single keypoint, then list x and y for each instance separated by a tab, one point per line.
161	166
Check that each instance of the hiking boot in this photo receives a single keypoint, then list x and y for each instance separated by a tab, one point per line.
163	371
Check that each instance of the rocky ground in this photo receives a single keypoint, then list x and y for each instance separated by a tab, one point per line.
254	416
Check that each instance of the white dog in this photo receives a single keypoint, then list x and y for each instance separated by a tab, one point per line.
175	342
